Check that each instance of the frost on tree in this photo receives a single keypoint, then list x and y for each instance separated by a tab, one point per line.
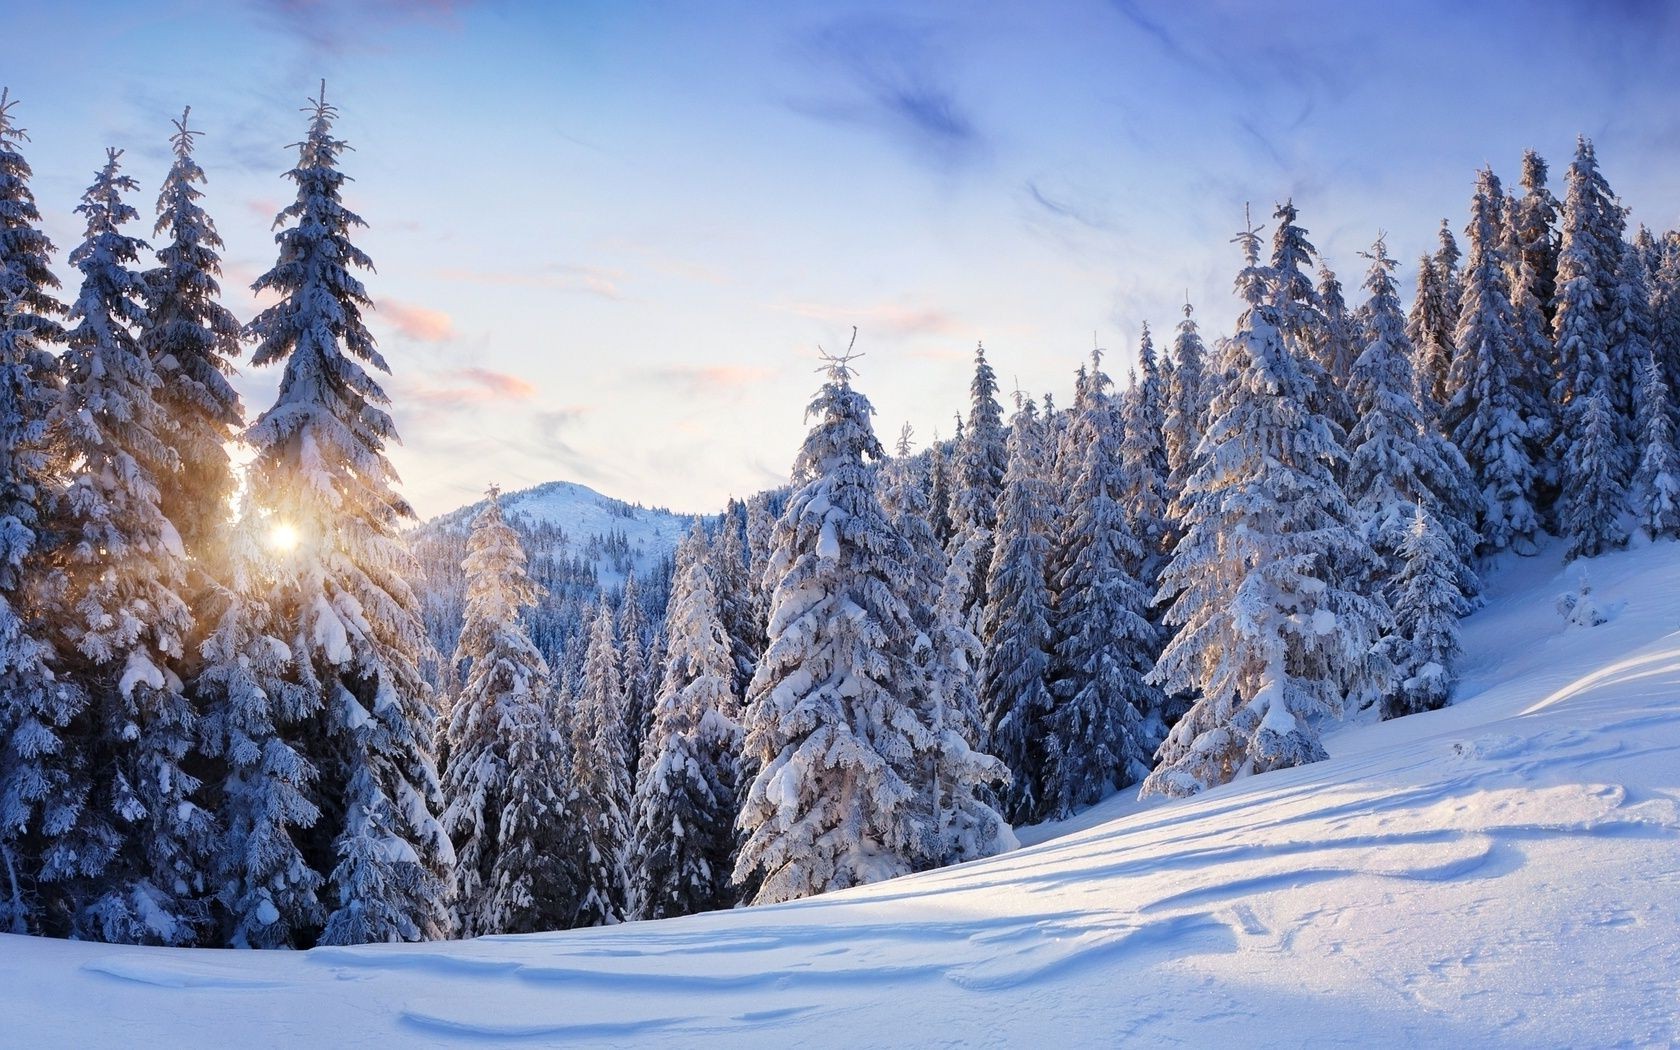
1269	630
683	815
1143	467
192	341
1534	220
1397	461
1427	605
831	723
640	676
1097	736
1484	415
506	681
341	594
981	459
253	702
35	705
133	864
1655	492
1186	412
599	786
1429	327
1592	353
1595	464
1015	697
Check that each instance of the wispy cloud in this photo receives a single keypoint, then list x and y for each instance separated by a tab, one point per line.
591	280
891	76
337	27
708	379
1063	204
468	388
417	322
894	320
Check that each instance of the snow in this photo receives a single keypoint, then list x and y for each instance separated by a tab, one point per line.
1498	873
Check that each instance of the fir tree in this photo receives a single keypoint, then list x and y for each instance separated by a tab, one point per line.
1589	257
1269	631
831	719
535	884
1429	328
599	788
1597	471
125	619
1484	416
1534	223
1427	605
1186	415
1096	736
192	340
981	460
1143	468
735	604
342	594
27	282
641	677
1015	699
1446	265
1302	320
506	681
248	687
1656	481
682	822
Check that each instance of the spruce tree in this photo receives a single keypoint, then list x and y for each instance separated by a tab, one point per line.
683	817
831	720
536	883
1429	328
1534	222
1596	466
192	340
1186	415
253	698
1015	699
1427	605
981	459
125	623
1269	631
27	282
641	676
1589	257
1143	468
506	680
1096	736
1484	415
1655	492
599	788
1446	265
342	593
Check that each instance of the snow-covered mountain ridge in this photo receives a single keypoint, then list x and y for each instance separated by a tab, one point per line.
1500	873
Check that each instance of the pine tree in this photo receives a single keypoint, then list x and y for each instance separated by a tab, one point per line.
342	593
1655	490
1269	632
1484	415
535	884
1429	327
252	699
1186	415
142	838
506	681
27	282
1096	735
1596	467
192	340
734	595
1534	222
981	459
682	823
599	788
1015	698
641	676
1665	313
1446	266
1339	348
831	719
1589	257
1427	605
1143	468
1397	462
1302	320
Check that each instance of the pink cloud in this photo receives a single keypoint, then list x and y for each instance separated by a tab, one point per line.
709	378
892	319
467	387
593	280
417	322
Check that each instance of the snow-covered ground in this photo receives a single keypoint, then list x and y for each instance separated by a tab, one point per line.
1505	872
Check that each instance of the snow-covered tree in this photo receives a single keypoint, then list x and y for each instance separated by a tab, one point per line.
831	721
1655	492
341	594
124	623
1429	328
741	617
1186	415
192	340
1301	317
1596	468
1589	256
1427	605
27	282
981	459
1143	467
535	884
636	662
253	701
1097	736
683	816
1397	461
1446	265
1484	415
1015	697
599	787
1269	631
506	680
1534	225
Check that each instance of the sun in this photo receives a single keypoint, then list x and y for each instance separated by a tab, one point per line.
284	537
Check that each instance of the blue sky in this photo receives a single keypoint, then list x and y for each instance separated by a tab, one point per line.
611	236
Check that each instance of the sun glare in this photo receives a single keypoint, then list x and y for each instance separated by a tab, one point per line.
284	537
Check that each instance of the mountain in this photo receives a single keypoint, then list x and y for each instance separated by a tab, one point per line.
1499	873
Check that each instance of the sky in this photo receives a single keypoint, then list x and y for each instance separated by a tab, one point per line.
611	237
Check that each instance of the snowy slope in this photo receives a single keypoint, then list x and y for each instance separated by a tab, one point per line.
1502	873
583	513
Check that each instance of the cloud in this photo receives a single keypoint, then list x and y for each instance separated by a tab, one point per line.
468	387
592	280
890	77
337	27
708	379
1065	205
894	320
417	322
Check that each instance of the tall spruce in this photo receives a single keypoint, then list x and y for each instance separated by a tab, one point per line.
1269	630
1484	415
1655	491
1429	327
682	820
342	594
1427	605
27	282
192	341
1186	415
831	720
506	682
1534	223
599	786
